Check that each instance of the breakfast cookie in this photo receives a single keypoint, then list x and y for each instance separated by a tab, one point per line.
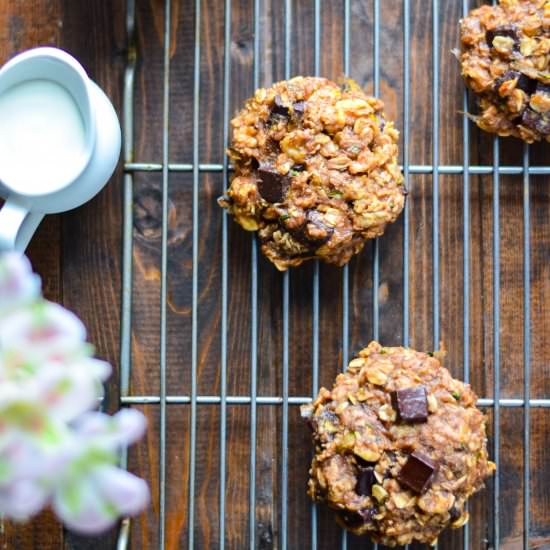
505	61
399	446
316	171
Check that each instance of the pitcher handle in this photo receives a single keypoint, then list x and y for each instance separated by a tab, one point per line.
17	226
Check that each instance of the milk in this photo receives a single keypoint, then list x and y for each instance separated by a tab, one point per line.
42	137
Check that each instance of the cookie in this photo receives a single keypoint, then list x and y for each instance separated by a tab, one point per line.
505	61
399	446
315	170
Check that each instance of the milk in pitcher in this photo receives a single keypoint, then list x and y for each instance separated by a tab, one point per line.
42	137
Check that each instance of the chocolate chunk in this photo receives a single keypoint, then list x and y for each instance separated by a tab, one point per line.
536	121
455	512
365	481
417	473
368	513
528	85
543	125
504	30
298	168
542	88
351	519
271	184
314	232
529	119
279	108
410	404
356	519
299	107
391	456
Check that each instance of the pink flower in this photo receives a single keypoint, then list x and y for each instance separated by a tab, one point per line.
95	501
121	429
42	332
54	448
22	499
18	284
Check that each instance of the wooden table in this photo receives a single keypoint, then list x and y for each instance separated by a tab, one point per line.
78	255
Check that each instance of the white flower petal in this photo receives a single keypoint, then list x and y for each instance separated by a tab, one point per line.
45	332
82	508
24	458
131	424
111	432
18	284
22	499
96	368
68	392
92	424
51	447
126	492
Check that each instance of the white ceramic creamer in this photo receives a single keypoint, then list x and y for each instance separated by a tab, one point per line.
42	136
59	140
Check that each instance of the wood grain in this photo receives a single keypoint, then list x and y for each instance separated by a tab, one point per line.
78	256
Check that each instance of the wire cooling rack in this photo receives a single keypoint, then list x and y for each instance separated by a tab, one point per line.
165	166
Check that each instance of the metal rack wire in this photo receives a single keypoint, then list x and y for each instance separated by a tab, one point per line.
252	401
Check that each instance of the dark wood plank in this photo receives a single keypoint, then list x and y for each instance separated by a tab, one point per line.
91	238
83	270
271	64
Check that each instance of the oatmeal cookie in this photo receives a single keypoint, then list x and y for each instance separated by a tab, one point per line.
505	60
399	446
316	171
